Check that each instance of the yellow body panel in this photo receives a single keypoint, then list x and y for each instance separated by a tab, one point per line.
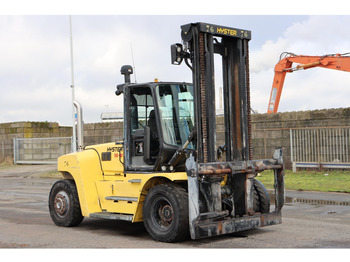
85	175
103	185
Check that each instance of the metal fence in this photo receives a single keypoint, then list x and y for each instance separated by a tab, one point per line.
40	150
320	147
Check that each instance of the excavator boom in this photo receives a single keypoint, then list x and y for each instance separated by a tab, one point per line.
337	62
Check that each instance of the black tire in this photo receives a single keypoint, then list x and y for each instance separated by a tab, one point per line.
64	204
261	198
165	213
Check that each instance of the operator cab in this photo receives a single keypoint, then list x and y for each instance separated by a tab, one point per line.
158	118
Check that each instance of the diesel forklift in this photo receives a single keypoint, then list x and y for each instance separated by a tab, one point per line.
169	171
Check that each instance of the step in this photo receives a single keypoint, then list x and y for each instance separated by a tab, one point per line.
120	198
112	216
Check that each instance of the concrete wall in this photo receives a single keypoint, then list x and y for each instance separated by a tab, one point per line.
273	130
268	130
98	133
9	131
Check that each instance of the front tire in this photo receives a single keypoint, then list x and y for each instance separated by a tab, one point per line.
261	198
64	204
165	213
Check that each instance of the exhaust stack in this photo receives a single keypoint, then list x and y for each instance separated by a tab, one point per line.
126	70
80	126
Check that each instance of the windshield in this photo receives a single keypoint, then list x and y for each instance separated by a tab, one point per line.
176	109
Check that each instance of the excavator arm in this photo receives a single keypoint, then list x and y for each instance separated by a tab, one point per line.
284	66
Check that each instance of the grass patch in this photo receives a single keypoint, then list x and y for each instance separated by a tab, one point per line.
48	174
325	181
7	162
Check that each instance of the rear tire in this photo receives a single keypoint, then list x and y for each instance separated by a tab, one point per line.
165	213
64	204
261	198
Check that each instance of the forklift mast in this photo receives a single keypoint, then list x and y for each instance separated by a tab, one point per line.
226	189
203	41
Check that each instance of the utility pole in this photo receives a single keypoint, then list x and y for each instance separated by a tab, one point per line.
74	145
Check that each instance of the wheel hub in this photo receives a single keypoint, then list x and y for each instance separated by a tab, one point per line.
61	203
162	213
167	213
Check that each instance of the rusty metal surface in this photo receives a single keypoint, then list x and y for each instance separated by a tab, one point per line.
238	193
252	166
208	228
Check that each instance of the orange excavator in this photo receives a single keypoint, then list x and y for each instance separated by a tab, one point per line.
284	66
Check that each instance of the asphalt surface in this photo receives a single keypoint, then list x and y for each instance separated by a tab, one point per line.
310	220
291	196
317	198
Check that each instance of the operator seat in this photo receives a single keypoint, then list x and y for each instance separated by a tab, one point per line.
154	133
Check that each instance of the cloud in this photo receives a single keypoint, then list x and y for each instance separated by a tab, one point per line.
309	89
97	64
264	59
35	66
35	72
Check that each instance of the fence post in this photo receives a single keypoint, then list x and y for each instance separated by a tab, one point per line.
2	150
291	148
14	151
265	144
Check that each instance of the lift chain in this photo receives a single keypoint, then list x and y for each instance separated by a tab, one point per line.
250	149
202	98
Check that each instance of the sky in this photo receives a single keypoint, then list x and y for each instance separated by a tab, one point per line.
35	59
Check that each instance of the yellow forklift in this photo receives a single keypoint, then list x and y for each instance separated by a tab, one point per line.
169	171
